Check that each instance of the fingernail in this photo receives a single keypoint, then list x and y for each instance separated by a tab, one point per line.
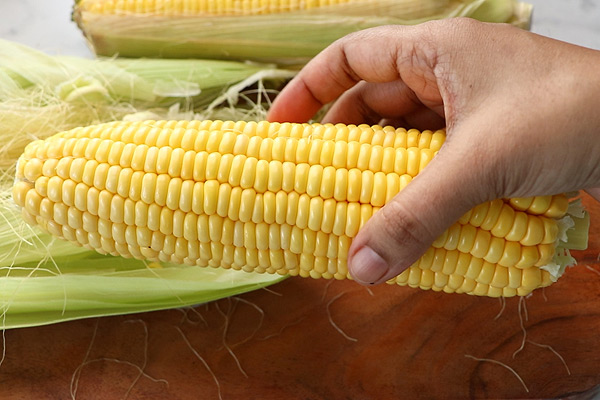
368	266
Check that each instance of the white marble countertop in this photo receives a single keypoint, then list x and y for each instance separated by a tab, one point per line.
47	25
43	24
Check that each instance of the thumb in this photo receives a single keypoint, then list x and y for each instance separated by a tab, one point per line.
400	232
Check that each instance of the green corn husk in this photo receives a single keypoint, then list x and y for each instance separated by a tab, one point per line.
146	83
41	94
44	280
289	38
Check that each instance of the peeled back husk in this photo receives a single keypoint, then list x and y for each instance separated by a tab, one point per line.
42	94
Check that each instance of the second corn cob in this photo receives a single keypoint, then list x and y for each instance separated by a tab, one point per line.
284	32
269	197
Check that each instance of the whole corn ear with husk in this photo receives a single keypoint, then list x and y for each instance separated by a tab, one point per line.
284	32
279	198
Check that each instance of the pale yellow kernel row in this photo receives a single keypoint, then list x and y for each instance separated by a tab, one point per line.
488	280
548	206
501	220
163	159
455	262
202	7
364	134
482	245
247	173
211	133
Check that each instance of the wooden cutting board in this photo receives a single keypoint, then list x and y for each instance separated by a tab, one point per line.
306	339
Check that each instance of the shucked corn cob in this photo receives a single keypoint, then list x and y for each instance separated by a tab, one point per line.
405	9
211	7
280	31
269	197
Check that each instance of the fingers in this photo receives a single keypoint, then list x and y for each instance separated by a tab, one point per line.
416	74
393	101
421	119
354	58
370	102
396	236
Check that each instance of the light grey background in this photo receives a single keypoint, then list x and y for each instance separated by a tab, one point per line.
42	24
47	25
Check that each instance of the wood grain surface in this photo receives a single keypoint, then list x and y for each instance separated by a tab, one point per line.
306	339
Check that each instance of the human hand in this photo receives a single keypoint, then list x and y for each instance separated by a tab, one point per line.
520	112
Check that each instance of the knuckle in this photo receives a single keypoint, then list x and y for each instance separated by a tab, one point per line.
451	32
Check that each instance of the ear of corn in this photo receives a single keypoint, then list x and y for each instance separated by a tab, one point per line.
287	32
277	198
